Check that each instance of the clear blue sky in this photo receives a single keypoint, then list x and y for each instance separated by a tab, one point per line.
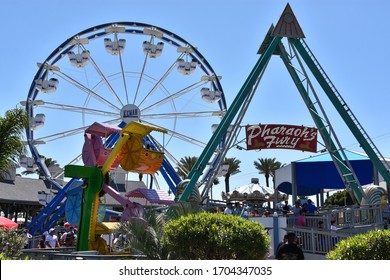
349	38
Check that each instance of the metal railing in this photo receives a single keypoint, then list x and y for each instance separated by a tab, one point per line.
349	221
346	217
317	241
68	253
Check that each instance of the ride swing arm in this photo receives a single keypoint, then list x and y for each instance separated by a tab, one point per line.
245	90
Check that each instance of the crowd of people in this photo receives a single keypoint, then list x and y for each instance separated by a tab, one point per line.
298	209
56	239
244	211
307	207
50	239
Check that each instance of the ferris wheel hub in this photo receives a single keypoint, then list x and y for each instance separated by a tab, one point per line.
130	112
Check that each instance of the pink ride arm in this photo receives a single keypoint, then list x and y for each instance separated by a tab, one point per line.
130	209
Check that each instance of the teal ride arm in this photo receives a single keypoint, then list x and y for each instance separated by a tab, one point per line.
207	153
94	178
349	179
343	112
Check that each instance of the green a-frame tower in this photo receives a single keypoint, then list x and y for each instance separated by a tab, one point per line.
299	55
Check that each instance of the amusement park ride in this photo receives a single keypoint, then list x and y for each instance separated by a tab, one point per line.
119	134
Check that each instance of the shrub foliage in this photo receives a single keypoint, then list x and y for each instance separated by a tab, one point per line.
206	236
373	245
11	243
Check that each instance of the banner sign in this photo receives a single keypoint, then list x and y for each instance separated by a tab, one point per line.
281	136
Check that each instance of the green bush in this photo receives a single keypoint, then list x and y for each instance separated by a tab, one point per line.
206	236
373	245
11	244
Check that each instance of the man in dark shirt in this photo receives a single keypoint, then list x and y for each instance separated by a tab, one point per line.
286	208
290	250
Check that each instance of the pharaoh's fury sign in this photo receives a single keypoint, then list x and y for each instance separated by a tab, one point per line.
281	136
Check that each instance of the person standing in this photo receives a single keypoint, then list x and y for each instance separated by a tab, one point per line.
68	239
281	243
290	250
333	230
52	239
246	209
237	209
310	207
228	210
27	237
321	237
296	208
286	208
301	220
42	242
333	225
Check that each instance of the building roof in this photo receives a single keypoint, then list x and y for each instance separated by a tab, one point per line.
23	190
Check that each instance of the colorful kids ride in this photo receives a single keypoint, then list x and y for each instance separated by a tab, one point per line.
130	153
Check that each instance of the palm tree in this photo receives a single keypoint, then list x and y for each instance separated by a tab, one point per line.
278	165
12	127
186	165
267	166
234	168
144	235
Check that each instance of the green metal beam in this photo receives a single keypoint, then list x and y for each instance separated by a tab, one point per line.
94	178
349	179
216	138
343	112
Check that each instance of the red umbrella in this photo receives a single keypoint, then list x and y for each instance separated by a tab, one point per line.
7	223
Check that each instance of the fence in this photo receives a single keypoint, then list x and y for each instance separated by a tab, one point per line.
345	217
317	241
349	221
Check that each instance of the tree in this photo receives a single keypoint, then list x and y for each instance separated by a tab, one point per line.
186	165
340	198
12	128
234	168
267	166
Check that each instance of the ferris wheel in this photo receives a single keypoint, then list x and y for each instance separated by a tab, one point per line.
116	73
